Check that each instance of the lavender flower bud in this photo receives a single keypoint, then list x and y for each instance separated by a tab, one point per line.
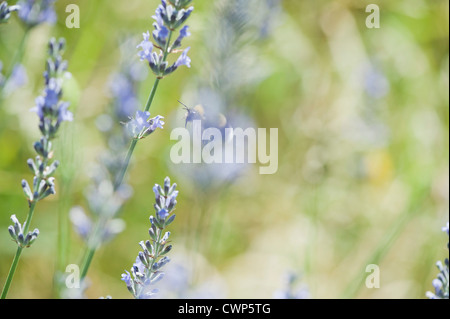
39	148
157	189
12	233
168	17
157	277
143	258
51	169
166	185
16	223
32	166
152	234
160	34
31	238
20	240
170	220
172	188
161	263
166	250
46	188
27	190
156	221
5	11
35	12
165	238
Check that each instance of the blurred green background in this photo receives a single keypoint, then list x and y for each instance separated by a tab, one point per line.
363	172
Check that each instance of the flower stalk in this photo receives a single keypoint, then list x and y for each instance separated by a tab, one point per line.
51	112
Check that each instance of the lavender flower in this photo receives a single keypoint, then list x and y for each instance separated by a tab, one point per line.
146	46
50	109
146	270
160	34
141	126
168	17
184	32
17	79
172	16
5	11
16	233
35	12
184	59
441	283
51	113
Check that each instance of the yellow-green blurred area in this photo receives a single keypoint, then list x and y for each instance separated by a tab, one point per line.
363	175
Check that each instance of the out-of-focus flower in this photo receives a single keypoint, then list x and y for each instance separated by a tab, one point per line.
17	79
35	12
375	83
5	11
291	291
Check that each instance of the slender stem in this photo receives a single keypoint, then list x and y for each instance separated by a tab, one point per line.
29	217
25	230
87	261
152	95
12	270
63	243
125	165
167	49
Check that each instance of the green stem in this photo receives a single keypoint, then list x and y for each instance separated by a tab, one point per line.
126	163
87	261
63	237
12	270
152	95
